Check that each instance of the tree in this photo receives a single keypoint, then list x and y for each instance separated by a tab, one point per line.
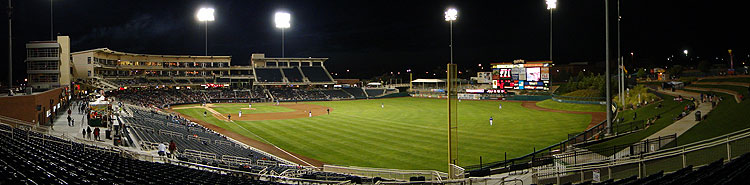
641	72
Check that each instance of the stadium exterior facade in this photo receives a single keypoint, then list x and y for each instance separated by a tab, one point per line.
50	64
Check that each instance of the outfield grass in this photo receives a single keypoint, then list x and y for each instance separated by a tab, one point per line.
410	133
727	117
738	89
670	109
551	104
746	80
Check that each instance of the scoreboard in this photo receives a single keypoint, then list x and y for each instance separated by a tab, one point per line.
533	76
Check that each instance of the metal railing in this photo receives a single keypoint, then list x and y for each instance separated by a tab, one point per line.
538	157
392	174
725	147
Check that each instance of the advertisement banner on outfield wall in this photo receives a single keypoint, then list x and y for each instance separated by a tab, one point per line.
545	73
469	96
485	77
514	73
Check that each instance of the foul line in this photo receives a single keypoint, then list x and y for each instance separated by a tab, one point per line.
256	135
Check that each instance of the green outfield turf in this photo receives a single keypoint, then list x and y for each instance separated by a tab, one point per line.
410	133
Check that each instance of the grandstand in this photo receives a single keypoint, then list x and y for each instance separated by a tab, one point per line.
290	71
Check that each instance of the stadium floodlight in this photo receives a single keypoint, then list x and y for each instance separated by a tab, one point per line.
685	51
551	4
282	21
450	15
205	15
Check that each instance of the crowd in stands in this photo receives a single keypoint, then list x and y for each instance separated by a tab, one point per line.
290	94
150	97
164	97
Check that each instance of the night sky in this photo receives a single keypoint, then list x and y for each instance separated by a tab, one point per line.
375	37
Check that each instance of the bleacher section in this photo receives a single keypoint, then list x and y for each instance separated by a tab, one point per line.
268	75
316	74
375	92
32	158
293	74
153	128
337	94
356	92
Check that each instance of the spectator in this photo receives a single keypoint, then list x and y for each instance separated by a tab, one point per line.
172	147
96	133
88	132
162	148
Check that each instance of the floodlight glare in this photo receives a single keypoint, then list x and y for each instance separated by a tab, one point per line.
205	14
282	20
551	4
685	51
451	14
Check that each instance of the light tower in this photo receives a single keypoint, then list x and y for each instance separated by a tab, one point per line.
205	15
454	170
551	5
282	21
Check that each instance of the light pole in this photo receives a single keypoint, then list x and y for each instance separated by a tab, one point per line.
10	48
51	21
205	15
606	65
551	5
282	21
620	62
450	15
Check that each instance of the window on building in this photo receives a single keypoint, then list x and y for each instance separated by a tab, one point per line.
89	60
89	73
42	52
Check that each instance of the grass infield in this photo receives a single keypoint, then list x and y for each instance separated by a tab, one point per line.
408	133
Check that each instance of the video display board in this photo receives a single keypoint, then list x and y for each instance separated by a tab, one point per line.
533	74
521	76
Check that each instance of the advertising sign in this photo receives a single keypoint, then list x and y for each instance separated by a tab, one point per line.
484	77
545	73
522	74
494	84
514	73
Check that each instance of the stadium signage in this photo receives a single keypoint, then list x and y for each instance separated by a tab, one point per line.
213	85
475	90
495	91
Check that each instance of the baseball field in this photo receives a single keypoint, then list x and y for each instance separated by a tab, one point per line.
400	133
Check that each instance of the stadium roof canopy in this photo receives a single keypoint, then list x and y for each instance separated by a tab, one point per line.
428	81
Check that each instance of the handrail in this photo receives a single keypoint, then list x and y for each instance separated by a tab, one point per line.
666	153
